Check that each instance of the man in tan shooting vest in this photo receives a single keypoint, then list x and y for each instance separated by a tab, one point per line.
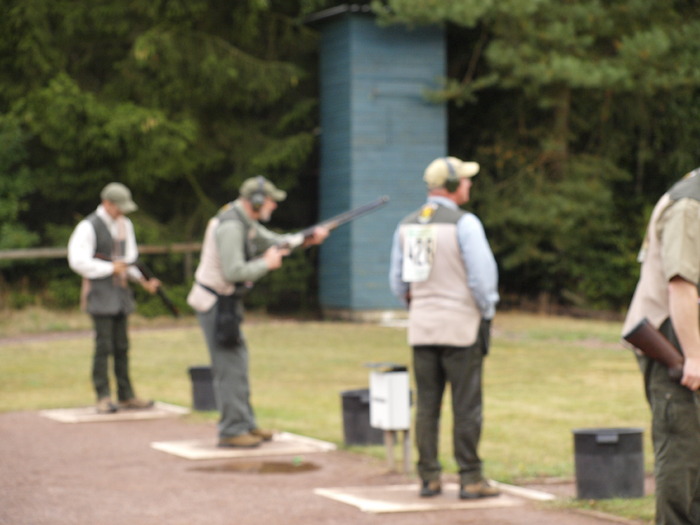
237	251
443	269
667	295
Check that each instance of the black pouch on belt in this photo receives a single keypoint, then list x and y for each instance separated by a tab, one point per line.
228	321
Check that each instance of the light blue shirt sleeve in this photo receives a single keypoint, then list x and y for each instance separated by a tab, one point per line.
480	264
398	287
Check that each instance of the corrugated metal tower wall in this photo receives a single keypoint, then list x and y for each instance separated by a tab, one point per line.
378	132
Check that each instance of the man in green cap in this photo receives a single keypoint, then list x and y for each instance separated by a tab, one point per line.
102	250
237	250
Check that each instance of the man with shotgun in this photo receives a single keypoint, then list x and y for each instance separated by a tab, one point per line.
237	251
102	250
666	301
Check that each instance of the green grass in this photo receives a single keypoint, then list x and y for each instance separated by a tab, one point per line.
544	377
641	509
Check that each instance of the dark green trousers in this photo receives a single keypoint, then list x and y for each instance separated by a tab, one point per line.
676	437
111	340
461	367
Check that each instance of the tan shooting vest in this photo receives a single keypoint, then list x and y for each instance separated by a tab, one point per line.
442	309
650	298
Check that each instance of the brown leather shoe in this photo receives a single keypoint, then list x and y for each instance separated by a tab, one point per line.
265	435
240	441
105	406
136	403
430	488
480	489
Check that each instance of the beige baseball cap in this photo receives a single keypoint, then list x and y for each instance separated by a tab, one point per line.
120	195
438	171
261	185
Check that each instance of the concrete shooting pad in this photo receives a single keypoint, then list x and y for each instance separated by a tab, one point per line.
404	498
89	414
282	444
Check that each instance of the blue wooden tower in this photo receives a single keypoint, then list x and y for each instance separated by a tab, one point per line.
378	133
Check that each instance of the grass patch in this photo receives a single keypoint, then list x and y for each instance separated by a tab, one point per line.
543	378
640	509
37	320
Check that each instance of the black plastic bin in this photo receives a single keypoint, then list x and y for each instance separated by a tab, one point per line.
202	388
609	463
356	428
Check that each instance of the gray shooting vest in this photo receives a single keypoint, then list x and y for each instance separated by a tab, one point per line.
107	296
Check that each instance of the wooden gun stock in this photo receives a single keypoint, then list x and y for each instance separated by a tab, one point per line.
654	345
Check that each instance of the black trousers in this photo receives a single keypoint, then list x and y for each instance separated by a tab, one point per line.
461	367
111	340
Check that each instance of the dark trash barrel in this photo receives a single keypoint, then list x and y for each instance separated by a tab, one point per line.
202	388
356	428
609	463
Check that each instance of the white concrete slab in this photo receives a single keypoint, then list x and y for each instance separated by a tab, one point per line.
523	492
89	414
283	443
404	498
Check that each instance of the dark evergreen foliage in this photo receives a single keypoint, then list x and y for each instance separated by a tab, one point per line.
581	113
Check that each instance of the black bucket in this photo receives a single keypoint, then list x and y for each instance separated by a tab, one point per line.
609	463
356	428
202	388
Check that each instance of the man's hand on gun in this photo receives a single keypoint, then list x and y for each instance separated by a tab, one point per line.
151	285
316	234
273	256
120	268
320	234
691	373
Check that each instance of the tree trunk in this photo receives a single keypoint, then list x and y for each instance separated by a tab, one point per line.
559	141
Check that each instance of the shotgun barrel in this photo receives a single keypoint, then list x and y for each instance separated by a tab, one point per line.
147	274
335	221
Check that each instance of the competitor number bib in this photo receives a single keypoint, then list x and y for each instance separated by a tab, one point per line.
419	246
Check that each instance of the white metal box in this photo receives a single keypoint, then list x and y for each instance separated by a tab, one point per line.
389	403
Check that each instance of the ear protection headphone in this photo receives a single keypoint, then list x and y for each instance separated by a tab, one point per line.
257	198
452	181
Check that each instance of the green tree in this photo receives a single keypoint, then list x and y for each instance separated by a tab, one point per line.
179	100
581	114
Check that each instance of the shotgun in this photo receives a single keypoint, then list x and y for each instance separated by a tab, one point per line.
297	239
655	345
148	275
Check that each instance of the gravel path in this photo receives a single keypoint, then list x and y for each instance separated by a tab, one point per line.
108	474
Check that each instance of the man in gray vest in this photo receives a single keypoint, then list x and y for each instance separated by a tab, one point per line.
443	270
237	251
102	250
667	296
